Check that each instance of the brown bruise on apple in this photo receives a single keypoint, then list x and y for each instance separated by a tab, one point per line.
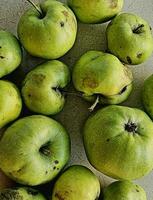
113	3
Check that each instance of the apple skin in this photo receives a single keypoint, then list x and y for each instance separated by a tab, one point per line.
41	87
89	11
126	190
10	53
76	183
10	102
50	36
119	142
34	149
102	74
21	193
130	44
147	96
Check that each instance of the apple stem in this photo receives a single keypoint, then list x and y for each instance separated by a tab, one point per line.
94	105
36	7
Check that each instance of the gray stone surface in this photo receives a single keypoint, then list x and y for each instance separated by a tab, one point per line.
76	110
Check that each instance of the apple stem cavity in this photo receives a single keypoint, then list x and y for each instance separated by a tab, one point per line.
131	127
91	109
45	150
138	30
36	7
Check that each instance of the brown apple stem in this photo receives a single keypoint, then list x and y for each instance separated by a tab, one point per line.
91	109
36	7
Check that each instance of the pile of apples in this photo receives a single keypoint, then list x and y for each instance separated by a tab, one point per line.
118	140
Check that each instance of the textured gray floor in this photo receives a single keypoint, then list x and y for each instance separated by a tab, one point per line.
89	37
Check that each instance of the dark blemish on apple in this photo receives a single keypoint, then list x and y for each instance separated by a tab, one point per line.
94	58
66	14
59	196
29	95
62	24
2	57
150	28
137	190
139	55
54	168
0	47
32	192
57	168
56	161
46	172
113	4
123	90
108	140
89	82
129	59
38	78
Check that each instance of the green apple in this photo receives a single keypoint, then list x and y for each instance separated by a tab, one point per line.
147	96
119	142
129	38
103	75
76	183
10	102
49	33
34	149
21	193
5	182
89	11
41	87
124	190
10	53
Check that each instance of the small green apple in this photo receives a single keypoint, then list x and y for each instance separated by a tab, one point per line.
50	34
10	102
147	95
103	75
119	142
124	190
89	11
129	38
10	53
21	193
76	183
41	87
34	149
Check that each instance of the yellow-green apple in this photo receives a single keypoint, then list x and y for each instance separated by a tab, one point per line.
130	38
49	33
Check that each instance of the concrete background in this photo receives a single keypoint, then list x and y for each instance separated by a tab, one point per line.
76	111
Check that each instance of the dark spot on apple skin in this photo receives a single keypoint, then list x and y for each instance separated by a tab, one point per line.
56	161
59	196
113	3
29	95
2	57
32	192
94	58
66	14
123	90
137	190
62	24
54	168
108	140
46	172
38	78
0	47
129	60
139	55
150	28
